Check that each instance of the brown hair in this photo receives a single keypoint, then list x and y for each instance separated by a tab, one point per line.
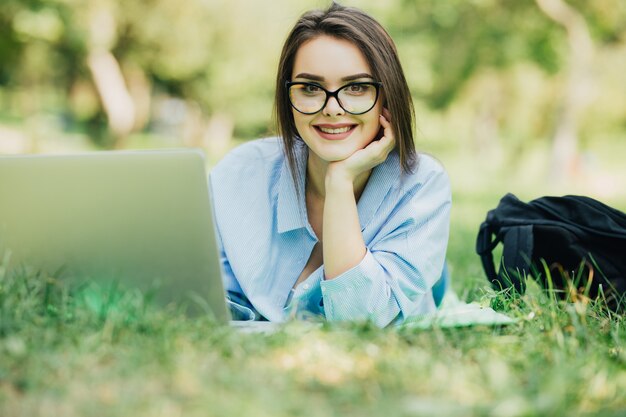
370	37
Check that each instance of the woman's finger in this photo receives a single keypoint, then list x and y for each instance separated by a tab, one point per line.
386	113
385	122
388	131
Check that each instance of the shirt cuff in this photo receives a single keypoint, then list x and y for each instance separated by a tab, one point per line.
239	312
360	293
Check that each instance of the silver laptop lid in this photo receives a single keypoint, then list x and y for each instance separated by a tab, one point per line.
139	217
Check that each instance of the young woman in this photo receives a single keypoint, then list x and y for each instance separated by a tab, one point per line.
339	217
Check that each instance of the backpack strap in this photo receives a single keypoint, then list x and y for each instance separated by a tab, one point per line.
484	248
518	249
516	257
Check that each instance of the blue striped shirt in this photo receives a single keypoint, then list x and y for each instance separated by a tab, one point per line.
265	239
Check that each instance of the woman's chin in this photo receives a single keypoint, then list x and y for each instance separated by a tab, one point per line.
335	151
334	157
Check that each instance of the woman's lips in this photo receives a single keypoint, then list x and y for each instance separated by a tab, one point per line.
334	132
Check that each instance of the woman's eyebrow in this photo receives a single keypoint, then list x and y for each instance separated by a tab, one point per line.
356	77
320	78
310	76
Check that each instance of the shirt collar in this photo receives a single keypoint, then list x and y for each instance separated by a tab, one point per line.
292	206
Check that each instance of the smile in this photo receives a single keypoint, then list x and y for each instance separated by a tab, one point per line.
336	132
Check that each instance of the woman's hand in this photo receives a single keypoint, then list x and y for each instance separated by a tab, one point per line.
365	159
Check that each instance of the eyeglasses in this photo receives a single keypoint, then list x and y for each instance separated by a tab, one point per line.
354	98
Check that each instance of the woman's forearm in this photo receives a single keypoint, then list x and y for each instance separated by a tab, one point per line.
343	245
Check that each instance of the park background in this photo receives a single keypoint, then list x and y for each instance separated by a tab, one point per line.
518	96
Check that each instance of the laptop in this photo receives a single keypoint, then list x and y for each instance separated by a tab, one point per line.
141	218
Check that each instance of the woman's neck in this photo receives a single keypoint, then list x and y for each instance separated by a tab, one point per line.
316	178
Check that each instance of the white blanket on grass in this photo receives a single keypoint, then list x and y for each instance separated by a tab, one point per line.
456	313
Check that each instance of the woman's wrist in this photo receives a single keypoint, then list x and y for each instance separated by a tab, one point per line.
337	180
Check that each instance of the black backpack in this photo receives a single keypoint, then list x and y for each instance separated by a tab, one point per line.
579	240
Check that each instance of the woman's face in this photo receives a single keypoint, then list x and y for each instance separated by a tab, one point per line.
333	134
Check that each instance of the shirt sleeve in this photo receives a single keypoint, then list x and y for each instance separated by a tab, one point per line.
228	277
395	278
240	307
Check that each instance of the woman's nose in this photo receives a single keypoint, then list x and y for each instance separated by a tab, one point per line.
332	107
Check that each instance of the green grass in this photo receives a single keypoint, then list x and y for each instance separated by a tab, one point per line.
72	357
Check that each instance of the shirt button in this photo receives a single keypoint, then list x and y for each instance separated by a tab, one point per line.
306	286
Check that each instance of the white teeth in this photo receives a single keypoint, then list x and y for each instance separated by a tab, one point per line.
334	131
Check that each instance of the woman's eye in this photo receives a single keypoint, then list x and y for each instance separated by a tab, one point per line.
357	88
310	88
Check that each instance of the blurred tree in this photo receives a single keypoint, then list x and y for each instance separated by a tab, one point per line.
579	86
128	52
465	38
10	45
105	69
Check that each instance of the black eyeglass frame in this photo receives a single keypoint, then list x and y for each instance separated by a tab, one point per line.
334	94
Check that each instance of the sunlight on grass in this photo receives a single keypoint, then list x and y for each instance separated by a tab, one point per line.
315	358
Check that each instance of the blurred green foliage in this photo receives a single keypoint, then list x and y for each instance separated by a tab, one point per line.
492	73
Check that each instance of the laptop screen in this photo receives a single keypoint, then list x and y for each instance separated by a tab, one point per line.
142	218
